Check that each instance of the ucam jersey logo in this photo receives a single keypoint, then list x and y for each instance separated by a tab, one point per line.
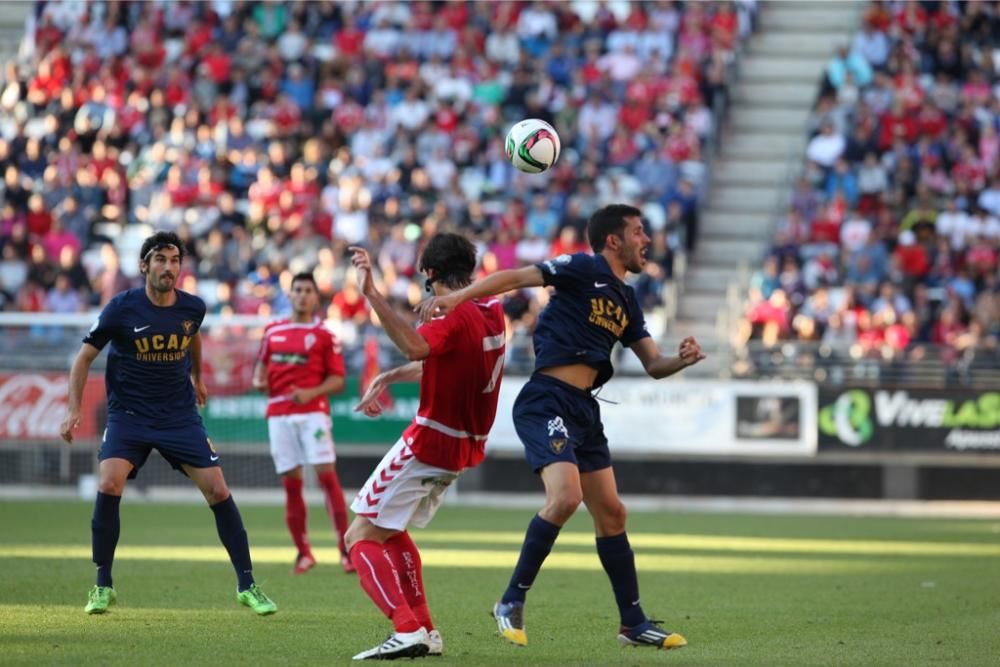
607	314
160	347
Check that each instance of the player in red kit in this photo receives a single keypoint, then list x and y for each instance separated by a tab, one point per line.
459	362
299	364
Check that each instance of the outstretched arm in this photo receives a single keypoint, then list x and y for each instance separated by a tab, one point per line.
77	381
658	366
406	338
369	403
496	283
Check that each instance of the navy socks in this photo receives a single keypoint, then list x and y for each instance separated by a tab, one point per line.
105	527
618	560
234	537
538	541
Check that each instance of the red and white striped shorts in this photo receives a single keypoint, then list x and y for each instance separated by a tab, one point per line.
402	491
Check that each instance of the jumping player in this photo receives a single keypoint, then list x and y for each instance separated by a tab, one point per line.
557	418
299	364
154	389
459	361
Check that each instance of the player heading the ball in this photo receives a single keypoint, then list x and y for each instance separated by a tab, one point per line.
558	419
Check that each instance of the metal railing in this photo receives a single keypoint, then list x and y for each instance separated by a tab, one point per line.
919	365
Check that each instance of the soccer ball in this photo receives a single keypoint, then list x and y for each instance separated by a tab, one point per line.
532	146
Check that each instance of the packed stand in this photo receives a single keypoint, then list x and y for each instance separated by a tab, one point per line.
888	253
272	136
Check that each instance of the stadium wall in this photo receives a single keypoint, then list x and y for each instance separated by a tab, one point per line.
684	437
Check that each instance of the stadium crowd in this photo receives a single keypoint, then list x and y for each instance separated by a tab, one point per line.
272	135
892	235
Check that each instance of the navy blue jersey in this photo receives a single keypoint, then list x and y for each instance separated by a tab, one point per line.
589	312
148	377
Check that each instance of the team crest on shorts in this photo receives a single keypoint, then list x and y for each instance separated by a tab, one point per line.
436	481
557	427
187	325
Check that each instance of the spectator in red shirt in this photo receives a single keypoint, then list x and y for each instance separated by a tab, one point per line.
182	193
349	40
39	218
981	258
897	123
58	238
948	327
568	242
199	36
218	63
911	257
348	305
266	190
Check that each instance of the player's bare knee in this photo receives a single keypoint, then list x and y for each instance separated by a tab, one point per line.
111	486
216	493
356	532
562	508
613	520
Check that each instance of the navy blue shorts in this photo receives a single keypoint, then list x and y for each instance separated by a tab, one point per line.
558	422
124	439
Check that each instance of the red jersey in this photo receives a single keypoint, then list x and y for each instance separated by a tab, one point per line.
298	356
460	385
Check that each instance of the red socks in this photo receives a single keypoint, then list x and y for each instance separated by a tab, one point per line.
406	558
335	505
295	513
380	581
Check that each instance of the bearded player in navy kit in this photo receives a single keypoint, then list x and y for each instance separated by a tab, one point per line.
154	388
558	419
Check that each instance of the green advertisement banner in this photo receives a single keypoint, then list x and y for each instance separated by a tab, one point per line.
240	418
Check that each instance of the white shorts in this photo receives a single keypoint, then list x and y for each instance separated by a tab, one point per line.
300	439
402	491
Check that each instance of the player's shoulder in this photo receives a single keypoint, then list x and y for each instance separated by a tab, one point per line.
127	297
323	329
491	305
580	260
276	323
489	311
189	300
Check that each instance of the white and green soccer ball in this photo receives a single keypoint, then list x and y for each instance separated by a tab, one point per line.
532	146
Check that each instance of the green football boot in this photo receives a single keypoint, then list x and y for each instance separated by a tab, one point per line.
255	598
100	598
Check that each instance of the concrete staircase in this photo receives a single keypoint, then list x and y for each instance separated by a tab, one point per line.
12	16
761	144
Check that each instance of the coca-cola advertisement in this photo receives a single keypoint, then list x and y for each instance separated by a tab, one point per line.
32	406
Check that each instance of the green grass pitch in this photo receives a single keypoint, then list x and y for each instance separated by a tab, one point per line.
744	590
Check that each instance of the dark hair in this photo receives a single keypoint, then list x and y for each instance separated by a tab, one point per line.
158	241
452	257
609	220
305	276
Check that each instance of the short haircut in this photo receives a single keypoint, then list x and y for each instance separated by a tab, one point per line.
306	276
452	257
159	241
609	220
